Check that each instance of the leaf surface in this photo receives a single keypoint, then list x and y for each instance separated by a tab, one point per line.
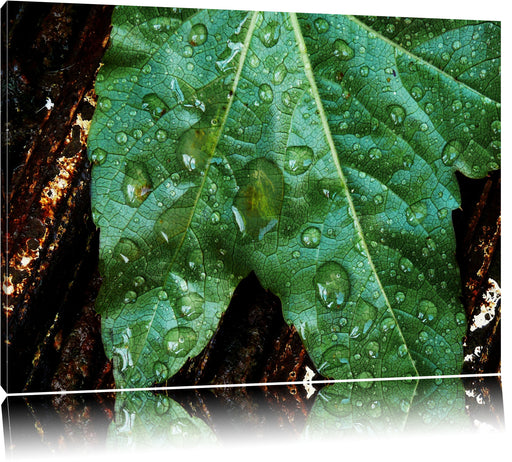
318	151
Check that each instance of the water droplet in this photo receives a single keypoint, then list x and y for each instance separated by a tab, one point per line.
190	306
400	297
496	127
136	183
373	349
405	405
161	135
397	114
121	138
417	92
198	35
257	205
429	108
364	71
378	199
269	34
367	377
416	213
333	285
427	311
298	159
451	152
130	297
402	350
375	153
126	250
423	127
310	237
423	336
105	104
180	340
98	156
375	409
192	148
337	359
163	405
162	295
387	324
342	50
405	265
161	371
321	25
154	105
138	281
215	217
456	45
279	73
265	93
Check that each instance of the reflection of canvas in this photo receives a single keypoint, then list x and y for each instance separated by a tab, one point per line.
271	197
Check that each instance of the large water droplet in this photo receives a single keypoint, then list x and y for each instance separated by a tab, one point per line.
333	285
154	105
121	138
269	34
198	35
342	50
451	152
279	73
193	149
257	205
298	159
126	250
310	237
180	340
190	306
136	183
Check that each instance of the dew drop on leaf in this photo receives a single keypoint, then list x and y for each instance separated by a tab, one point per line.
321	25
310	237
121	138
136	183
427	311
105	104
279	73
98	156
269	35
257	205
342	50
126	250
161	371
154	105
190	306
130	297
333	285
298	159
198	35
451	152
416	213
397	114
265	93
180	340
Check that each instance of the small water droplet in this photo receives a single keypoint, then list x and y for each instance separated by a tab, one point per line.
397	114
310	237
402	350
161	371
105	104
342	50
130	297
161	135
427	311
367	380
400	297
198	35
298	159
423	336
429	108
416	213
373	349
138	281
98	156
417	92
162	295
265	93
333	285
215	217
192	148
364	71
126	250
279	73
321	25
121	138
405	265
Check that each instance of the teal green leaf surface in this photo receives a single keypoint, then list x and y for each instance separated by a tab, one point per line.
318	151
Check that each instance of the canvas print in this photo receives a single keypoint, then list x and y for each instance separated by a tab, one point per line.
202	197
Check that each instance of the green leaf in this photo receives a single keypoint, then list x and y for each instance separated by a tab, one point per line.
318	151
